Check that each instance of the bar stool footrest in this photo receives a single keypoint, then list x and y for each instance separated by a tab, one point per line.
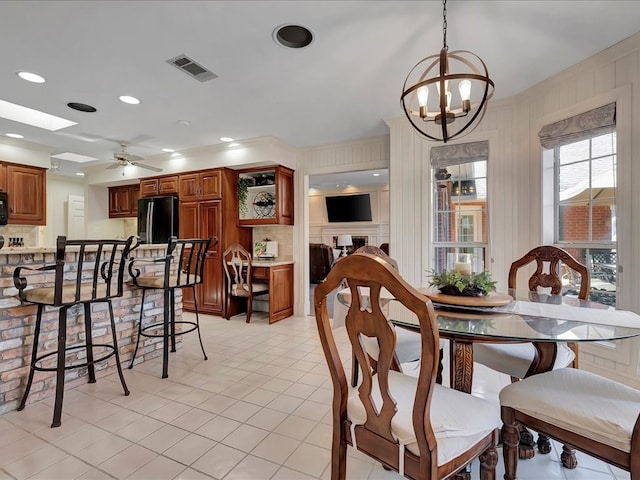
54	368
143	330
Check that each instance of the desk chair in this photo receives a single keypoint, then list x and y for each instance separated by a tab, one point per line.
237	269
409	424
516	359
183	268
94	275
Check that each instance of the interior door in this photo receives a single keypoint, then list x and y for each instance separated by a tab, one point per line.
75	217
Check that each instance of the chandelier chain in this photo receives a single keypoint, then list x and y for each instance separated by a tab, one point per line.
444	25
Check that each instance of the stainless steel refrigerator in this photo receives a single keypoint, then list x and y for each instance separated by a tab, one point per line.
157	219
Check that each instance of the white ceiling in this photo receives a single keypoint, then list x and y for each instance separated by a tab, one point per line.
343	86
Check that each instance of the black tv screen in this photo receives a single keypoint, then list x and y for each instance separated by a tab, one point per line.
349	208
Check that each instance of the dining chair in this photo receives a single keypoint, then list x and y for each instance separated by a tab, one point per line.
238	267
182	267
85	272
517	359
596	415
407	343
409	424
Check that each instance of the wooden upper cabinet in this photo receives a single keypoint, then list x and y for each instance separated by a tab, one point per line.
265	196
205	185
149	187
168	185
26	192
3	177
123	201
152	187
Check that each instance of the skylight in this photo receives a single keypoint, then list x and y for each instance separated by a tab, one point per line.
35	118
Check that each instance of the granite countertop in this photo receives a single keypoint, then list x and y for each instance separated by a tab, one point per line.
270	263
30	250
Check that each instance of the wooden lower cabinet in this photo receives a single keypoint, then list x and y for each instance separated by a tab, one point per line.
280	280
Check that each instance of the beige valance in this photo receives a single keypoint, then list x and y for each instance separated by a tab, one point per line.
447	155
580	127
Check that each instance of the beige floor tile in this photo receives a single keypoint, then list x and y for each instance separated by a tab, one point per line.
320	436
163	438
260	396
170	411
66	469
245	437
119	420
193	419
238	390
312	410
300	391
11	433
285	473
69	427
241	411
218	461
106	448
81	438
309	459
195	397
140	428
30	464
285	403
124	463
267	419
276	448
217	404
95	474
295	427
252	468
19	448
218	428
160	468
189	449
191	474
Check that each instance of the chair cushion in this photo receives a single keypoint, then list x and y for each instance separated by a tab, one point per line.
578	401
45	295
157	281
459	420
244	292
514	359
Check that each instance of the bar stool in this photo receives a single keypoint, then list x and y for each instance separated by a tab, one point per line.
96	276
183	268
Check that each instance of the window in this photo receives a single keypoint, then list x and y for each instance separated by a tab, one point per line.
583	151
460	223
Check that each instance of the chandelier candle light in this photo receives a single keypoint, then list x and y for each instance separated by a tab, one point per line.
459	68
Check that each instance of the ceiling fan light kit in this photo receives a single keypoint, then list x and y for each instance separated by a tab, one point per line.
427	98
123	159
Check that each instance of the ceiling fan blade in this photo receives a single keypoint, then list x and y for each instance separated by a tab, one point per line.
113	165
148	167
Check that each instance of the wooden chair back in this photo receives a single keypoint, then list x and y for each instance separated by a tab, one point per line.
237	268
365	317
552	256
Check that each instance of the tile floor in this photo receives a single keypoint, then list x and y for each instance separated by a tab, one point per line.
257	409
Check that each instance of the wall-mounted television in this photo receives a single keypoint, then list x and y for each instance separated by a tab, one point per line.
349	208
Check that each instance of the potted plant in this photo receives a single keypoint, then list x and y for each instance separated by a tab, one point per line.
243	187
456	283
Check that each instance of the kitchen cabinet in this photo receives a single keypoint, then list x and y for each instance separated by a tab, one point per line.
123	201
152	187
280	279
212	218
205	185
265	196
26	189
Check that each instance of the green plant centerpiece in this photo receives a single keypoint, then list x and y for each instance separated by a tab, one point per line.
243	185
456	283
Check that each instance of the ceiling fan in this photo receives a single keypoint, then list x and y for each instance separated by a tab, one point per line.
123	158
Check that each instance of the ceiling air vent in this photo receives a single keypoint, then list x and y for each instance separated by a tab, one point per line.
192	68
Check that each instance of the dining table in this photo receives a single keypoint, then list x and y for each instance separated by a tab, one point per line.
517	316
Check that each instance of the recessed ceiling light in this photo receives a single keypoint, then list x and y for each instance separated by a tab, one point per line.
80	174
168	150
82	107
35	118
129	99
226	139
31	77
14	135
376	174
233	144
184	123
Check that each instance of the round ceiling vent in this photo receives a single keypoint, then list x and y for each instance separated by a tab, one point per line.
81	107
293	36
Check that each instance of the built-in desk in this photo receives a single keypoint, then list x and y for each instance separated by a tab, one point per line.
279	276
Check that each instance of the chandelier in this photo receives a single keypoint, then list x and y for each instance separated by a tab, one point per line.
427	98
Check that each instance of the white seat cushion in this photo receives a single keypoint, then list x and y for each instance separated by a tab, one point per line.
514	359
578	401
459	420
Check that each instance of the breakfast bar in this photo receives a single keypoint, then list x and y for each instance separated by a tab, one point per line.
17	323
